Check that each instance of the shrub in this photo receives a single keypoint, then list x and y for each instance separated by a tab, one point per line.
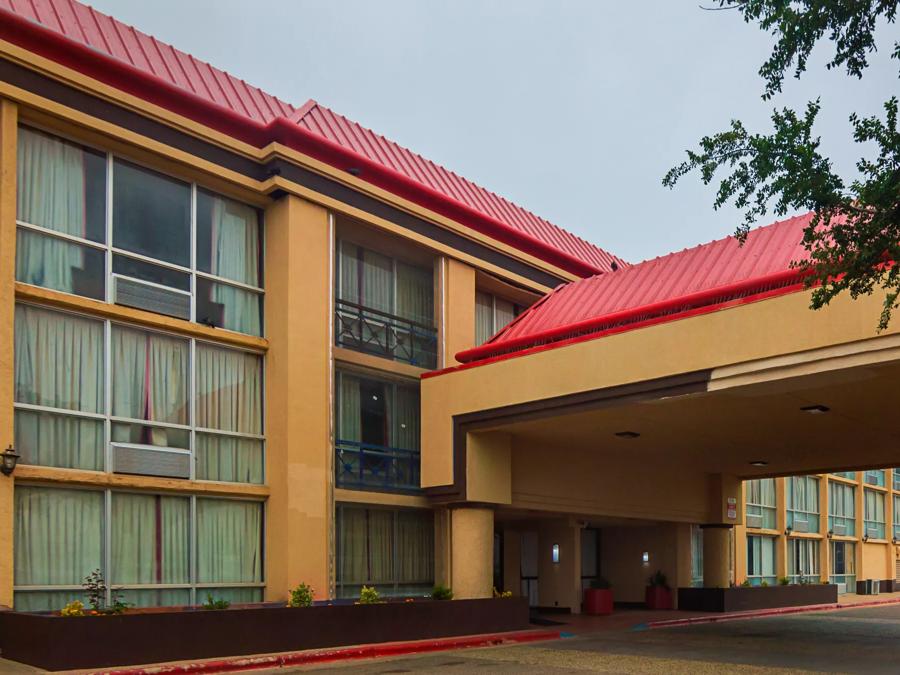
369	596
302	596
215	603
746	583
74	608
441	593
784	581
502	594
600	583
764	584
95	589
659	579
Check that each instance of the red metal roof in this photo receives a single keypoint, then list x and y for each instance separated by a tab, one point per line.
710	274
112	42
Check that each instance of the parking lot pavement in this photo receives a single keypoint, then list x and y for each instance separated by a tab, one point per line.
865	640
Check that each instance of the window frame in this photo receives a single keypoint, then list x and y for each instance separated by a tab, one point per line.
759	508
811	489
759	578
108	419
834	514
106	543
870	522
110	251
812	574
493	329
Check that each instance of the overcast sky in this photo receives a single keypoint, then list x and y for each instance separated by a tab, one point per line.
573	109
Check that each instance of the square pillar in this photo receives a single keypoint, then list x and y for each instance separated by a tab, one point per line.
716	556
299	465
472	552
458	316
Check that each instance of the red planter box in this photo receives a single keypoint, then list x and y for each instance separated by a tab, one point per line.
598	601
658	597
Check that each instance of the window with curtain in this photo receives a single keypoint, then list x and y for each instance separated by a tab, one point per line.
384	306
62	192
61	408
230	401
841	508
492	313
62	535
377	433
696	556
874	526
802	503
761	501
392	549
843	566
760	560
896	473
849	475
59	389
61	214
897	516
803	560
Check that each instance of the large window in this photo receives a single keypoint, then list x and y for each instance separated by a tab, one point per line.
157	549
164	246
874	514
897	517
697	556
491	314
843	566
841	508
803	560
109	397
392	550
384	306
802	498
849	475
760	560
377	440
896	473
761	503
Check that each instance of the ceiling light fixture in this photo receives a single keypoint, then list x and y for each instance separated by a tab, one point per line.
759	462
627	434
815	409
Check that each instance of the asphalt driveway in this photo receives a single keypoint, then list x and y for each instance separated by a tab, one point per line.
864	640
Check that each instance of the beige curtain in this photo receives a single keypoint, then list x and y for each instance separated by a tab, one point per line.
484	317
50	191
415	293
229	390
381	546
229	544
229	458
352	562
404	415
415	546
349	421
150	539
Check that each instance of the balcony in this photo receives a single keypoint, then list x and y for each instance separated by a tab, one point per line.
363	466
380	334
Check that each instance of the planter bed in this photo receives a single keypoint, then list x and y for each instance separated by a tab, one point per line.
741	599
62	643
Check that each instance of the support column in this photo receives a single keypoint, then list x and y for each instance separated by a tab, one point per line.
472	554
298	396
8	114
458	320
716	556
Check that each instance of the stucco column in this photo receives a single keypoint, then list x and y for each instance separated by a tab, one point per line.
458	316
298	400
472	552
716	545
8	114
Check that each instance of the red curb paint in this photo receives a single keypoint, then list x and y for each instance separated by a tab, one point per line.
668	623
340	654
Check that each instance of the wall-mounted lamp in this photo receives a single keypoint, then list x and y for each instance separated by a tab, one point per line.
865	537
10	459
554	553
788	531
830	534
645	557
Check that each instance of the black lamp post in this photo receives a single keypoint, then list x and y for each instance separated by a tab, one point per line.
9	460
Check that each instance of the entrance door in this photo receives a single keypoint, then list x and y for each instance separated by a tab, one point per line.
529	567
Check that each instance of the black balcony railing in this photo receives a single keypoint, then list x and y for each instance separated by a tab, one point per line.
363	466
369	330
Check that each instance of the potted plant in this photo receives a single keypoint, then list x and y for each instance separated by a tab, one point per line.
658	594
598	599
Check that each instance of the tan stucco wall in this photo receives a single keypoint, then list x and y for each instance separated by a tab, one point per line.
7	304
458	319
298	409
559	584
472	552
621	557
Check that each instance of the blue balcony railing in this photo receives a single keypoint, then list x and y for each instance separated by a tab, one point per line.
374	332
363	466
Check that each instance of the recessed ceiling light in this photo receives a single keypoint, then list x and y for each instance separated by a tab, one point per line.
815	409
627	434
759	462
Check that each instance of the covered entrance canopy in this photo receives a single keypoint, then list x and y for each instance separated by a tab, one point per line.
653	391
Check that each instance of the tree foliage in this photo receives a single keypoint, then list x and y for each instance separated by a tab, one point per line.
854	236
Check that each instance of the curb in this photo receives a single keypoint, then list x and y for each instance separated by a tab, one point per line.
735	616
338	654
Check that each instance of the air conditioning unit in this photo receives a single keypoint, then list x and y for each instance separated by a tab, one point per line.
152	297
754	520
872	587
151	460
839	528
800	525
873	534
